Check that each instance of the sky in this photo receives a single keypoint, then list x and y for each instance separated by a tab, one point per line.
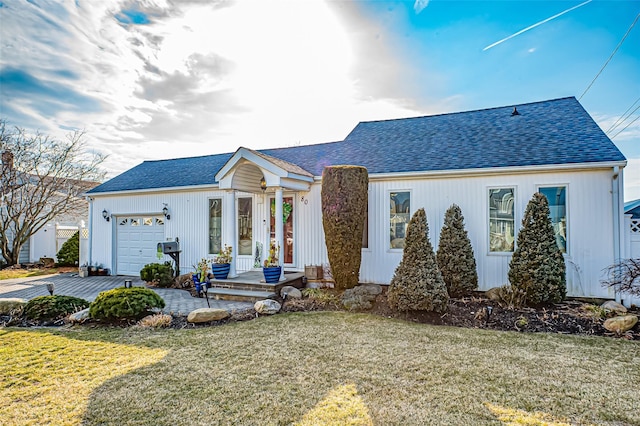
155	79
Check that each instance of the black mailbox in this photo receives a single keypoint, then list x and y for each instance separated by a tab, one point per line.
169	247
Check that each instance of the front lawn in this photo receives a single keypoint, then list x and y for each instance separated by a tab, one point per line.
8	274
315	368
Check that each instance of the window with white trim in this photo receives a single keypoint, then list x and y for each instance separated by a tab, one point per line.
215	225
399	215
501	220
557	197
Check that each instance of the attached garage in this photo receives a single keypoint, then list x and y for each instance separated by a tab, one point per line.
137	238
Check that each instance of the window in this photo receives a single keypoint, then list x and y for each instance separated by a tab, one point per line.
558	213
501	220
135	222
245	222
215	225
147	221
398	218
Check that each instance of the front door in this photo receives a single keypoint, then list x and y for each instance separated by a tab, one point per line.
287	229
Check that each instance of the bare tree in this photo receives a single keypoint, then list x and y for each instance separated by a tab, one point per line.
624	276
41	178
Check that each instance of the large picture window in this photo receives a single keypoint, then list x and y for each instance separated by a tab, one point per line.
400	208
215	225
558	213
501	220
245	225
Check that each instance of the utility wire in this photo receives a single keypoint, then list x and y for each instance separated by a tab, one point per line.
622	117
625	127
610	57
626	118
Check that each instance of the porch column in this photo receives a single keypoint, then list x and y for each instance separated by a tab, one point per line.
279	229
230	239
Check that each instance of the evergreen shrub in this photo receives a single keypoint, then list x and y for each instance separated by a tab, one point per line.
455	257
122	303
50	308
160	274
417	283
344	204
537	267
69	253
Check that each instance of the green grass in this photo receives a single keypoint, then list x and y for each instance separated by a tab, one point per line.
8	274
313	369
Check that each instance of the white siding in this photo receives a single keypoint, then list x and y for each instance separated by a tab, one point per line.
589	210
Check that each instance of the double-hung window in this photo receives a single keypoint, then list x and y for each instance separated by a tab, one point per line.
557	197
501	220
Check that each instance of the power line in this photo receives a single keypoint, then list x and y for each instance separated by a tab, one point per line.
625	127
626	118
610	57
622	118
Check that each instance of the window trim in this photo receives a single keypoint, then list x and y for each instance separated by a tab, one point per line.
387	218
566	211
221	200
516	219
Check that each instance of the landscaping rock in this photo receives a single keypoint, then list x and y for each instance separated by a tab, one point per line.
79	317
493	294
292	292
267	307
373	289
358	298
183	281
621	324
10	304
207	315
613	306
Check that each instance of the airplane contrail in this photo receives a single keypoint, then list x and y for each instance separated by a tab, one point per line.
535	25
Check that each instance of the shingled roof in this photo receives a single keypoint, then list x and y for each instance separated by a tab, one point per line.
554	132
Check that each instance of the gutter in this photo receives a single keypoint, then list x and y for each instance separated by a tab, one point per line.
616	181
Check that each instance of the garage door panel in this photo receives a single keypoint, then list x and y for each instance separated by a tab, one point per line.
137	240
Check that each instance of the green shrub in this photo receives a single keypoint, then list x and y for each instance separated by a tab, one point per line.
49	308
417	283
124	304
455	257
344	202
160	274
69	253
537	267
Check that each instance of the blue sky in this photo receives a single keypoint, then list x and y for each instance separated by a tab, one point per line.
163	78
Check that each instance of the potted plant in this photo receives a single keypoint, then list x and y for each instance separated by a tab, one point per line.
83	271
272	268
221	263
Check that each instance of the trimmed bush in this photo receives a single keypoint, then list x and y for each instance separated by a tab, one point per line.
417	283
344	204
125	304
69	253
50	308
160	274
537	267
455	255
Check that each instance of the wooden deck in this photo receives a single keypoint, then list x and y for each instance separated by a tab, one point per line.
250	286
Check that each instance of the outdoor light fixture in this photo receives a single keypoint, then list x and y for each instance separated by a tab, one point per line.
165	212
263	184
50	288
105	215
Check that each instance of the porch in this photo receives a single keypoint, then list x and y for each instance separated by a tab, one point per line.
250	286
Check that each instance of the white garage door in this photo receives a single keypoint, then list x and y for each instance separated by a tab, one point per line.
137	241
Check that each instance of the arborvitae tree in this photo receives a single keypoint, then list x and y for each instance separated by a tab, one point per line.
344	202
455	255
417	283
537	267
69	253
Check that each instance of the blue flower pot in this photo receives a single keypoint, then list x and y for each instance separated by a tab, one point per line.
220	270
272	274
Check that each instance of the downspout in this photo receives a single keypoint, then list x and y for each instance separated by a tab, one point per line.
90	248
615	186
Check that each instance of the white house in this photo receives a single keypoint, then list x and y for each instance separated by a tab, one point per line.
489	162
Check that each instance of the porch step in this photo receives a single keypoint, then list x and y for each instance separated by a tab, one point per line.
239	294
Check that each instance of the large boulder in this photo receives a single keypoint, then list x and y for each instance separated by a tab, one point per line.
7	305
267	307
359	298
207	315
79	317
621	323
613	306
493	294
291	291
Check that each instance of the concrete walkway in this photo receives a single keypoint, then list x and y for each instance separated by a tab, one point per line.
177	301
